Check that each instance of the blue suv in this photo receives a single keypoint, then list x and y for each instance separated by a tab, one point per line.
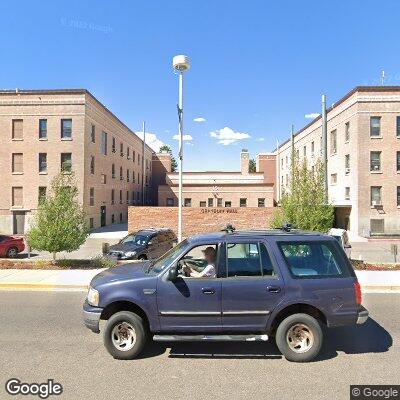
286	285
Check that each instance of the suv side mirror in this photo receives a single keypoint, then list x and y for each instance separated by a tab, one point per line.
172	274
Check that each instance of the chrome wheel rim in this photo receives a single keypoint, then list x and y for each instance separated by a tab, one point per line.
123	336
12	252
299	338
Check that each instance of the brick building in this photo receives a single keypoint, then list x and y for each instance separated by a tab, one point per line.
216	188
363	162
43	131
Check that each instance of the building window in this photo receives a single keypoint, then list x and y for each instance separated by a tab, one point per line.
398	196
377	225
113	171
93	133
261	202
376	198
333	179
128	153
42	129
210	202
398	161
228	204
121	174
312	149
103	179
127	197
133	155
305	151
112	196
219	202
187	202
104	143
92	165
41	193
347	132
203	204
398	127
133	198
91	223
66	128
138	159
127	175
112	218
347	193
243	202
139	200
91	197
66	162
113	146
375	127
17	165
120	217
347	164
170	202
42	163
375	161
334	142
133	176
120	197
138	178
17	129
121	149
17	196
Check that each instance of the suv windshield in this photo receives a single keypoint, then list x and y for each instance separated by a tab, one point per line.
168	257
135	239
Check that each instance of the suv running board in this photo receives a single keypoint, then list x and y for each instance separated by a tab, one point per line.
210	338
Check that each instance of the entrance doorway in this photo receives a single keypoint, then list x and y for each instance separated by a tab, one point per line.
103	216
18	222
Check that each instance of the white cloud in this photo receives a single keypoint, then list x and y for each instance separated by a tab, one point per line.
151	140
227	136
260	139
311	116
186	138
199	119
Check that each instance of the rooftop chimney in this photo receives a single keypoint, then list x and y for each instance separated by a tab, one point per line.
244	162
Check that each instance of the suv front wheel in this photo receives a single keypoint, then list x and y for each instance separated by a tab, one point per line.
124	335
299	337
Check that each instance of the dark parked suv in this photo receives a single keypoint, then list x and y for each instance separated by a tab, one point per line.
286	285
147	244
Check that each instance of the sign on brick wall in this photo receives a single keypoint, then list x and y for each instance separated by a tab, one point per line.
199	220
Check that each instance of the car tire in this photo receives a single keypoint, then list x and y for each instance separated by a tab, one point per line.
12	252
299	337
125	335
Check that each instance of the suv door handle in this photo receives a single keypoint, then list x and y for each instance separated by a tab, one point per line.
208	290
273	289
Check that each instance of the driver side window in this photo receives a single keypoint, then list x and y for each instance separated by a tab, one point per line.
196	258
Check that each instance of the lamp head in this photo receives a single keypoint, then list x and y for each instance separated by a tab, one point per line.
181	63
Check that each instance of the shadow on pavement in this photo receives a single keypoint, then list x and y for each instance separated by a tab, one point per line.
367	338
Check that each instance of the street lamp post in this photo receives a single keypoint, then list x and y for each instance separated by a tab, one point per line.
180	64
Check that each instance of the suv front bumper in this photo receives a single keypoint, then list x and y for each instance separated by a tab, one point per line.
362	315
91	317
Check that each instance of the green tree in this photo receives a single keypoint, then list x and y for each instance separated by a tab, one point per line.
174	164
252	165
304	204
60	222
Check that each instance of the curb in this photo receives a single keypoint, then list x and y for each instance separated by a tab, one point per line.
42	287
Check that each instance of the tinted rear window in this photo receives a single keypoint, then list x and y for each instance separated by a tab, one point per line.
314	259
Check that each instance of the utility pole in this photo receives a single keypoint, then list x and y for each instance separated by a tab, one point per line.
325	145
143	157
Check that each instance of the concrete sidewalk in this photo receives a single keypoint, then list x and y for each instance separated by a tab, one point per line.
16	279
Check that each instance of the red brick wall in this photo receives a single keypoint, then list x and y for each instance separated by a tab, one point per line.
199	220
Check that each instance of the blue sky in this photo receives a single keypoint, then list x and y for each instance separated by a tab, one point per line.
257	66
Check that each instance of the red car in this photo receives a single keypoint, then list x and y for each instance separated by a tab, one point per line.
10	246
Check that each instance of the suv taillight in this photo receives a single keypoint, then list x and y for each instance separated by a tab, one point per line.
357	292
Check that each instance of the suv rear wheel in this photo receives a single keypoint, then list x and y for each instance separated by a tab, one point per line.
299	337
124	335
12	252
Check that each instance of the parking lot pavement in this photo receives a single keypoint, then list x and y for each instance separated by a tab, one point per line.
42	337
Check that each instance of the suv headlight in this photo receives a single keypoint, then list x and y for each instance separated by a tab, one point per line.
130	254
93	297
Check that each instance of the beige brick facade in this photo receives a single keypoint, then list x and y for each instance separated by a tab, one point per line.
81	110
350	176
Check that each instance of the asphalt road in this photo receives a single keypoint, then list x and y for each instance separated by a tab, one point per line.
42	336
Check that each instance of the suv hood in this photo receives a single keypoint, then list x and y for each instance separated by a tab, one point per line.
120	273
